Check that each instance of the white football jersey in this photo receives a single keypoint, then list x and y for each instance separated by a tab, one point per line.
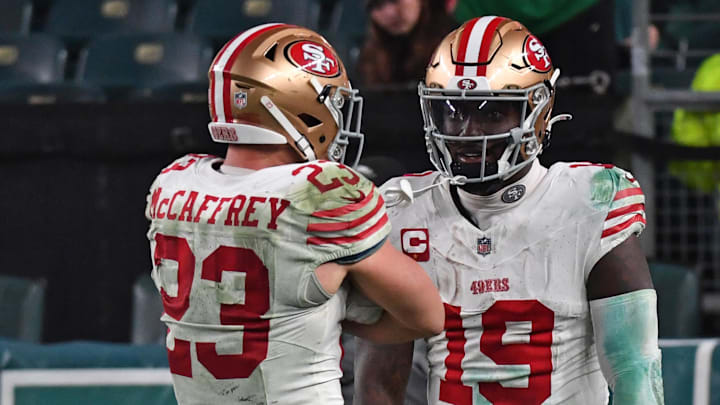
234	259
517	327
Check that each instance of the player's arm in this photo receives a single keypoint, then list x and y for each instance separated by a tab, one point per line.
387	330
355	214
624	316
381	372
399	285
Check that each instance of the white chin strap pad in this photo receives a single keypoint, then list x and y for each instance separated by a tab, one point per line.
301	142
626	339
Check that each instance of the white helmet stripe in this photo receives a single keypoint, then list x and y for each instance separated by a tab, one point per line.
220	90
472	50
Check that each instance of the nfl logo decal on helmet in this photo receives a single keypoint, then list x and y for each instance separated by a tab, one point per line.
240	99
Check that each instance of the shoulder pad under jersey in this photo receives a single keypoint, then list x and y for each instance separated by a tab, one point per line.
343	208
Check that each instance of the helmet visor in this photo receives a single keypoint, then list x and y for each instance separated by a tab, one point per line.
458	117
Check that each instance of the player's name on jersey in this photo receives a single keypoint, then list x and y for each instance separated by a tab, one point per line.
238	210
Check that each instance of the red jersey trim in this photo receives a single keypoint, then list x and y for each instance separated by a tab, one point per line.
349	239
622	226
346	209
456	343
627	193
341	226
625	210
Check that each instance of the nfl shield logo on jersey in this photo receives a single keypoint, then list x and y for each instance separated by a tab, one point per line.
240	99
484	246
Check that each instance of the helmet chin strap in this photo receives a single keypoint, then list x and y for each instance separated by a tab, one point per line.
396	195
503	162
300	141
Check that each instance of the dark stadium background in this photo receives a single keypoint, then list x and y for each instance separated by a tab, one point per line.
78	153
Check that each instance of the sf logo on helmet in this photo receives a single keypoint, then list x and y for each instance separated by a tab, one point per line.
466	84
313	58
536	55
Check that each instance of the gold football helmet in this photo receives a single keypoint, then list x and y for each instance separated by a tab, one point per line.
279	83
486	100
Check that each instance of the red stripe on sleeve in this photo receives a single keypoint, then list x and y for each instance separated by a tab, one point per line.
619	227
625	210
462	48
486	42
349	239
341	226
627	193
346	209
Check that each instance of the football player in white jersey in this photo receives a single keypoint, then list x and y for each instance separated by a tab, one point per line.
547	293
259	256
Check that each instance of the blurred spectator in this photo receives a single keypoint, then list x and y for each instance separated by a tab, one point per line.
400	41
699	129
624	31
624	26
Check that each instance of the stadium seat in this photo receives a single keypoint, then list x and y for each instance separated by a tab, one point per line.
147	308
221	20
77	21
32	70
678	294
16	16
123	63
36	58
22	305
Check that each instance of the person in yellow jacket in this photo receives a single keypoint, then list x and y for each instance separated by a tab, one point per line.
699	129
